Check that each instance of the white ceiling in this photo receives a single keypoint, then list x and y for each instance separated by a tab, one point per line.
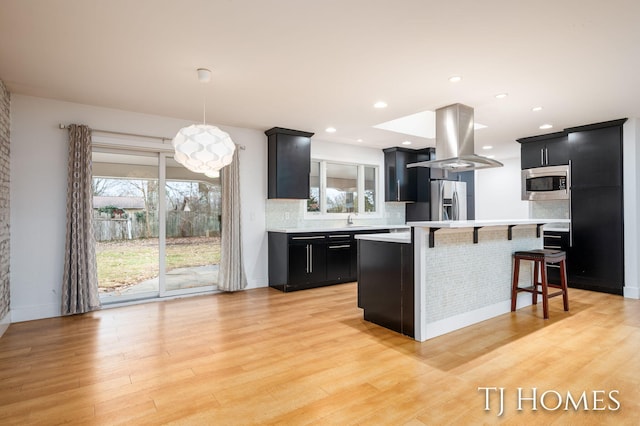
308	65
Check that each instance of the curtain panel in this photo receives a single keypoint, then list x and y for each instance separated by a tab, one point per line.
232	276
80	279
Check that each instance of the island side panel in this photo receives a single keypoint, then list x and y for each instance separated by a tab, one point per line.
459	283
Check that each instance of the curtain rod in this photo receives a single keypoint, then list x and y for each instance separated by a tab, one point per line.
162	138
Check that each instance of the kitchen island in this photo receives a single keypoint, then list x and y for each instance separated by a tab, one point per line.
461	270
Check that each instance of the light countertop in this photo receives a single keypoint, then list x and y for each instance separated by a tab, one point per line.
358	228
391	237
483	223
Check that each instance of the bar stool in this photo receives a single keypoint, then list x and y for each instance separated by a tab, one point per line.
540	259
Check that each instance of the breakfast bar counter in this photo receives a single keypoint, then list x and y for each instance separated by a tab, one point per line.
462	270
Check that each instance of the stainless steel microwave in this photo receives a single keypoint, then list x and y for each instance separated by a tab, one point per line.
546	183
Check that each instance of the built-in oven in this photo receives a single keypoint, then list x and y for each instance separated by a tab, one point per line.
546	183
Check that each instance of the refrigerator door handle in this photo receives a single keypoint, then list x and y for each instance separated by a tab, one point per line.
456	213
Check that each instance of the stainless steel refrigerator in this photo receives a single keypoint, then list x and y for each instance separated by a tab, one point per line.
448	200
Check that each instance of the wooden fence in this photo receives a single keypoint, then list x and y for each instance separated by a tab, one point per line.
179	224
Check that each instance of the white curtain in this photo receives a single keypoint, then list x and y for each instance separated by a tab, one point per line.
80	279
232	276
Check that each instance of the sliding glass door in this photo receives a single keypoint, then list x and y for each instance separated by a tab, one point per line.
192	244
157	226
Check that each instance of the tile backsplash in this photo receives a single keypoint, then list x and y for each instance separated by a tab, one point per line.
291	214
551	209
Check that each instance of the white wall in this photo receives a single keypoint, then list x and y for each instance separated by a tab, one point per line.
631	179
38	192
498	192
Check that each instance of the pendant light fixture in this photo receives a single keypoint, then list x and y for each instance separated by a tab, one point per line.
203	148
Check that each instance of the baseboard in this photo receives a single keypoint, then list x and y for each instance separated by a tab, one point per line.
447	325
4	323
632	292
35	312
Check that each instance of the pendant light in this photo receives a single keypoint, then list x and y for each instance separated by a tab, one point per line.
203	148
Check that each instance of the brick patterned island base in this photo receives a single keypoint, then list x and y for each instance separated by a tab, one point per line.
462	270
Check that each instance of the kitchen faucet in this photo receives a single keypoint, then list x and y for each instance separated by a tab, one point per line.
349	220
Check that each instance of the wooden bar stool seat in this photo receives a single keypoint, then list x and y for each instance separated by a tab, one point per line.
540	258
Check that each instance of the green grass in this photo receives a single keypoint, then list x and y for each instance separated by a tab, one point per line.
125	263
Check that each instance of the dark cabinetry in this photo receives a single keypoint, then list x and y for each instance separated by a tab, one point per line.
544	150
304	260
556	240
289	161
307	260
597	249
385	284
401	183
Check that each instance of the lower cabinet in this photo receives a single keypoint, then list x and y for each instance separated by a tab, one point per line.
307	261
556	240
299	261
386	284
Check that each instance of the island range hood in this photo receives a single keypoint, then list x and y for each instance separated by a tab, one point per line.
454	142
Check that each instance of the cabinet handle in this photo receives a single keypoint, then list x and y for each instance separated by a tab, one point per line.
307	269
542	156
546	151
398	190
553	247
308	238
552	236
342	246
570	214
549	265
311	259
339	236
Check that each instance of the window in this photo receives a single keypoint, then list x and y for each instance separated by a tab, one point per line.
342	188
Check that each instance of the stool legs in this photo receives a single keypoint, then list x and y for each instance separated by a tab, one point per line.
539	279
545	290
514	283
563	283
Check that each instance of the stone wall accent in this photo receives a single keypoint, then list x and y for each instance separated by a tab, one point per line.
5	99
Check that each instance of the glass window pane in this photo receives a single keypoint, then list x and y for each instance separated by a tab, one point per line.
342	184
313	203
369	189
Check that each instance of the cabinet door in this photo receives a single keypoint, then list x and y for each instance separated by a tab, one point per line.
317	262
596	256
596	157
400	182
556	241
339	260
532	154
298	263
557	152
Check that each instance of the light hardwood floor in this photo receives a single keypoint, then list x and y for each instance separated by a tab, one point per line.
308	357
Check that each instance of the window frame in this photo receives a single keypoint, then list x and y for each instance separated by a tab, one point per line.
322	198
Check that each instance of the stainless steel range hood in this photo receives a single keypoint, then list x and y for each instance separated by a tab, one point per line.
454	142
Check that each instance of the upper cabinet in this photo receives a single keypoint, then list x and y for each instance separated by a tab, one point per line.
289	163
544	150
596	154
401	183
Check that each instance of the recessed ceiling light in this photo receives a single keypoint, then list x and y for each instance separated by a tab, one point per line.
380	104
536	109
330	130
455	78
358	140
487	147
406	143
501	95
546	126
